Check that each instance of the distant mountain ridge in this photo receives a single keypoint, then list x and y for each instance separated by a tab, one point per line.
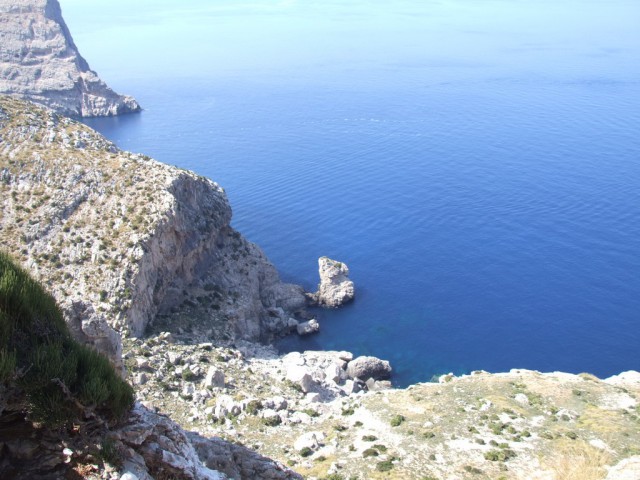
39	61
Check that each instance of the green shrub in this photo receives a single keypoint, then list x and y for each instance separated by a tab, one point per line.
370	452
57	372
7	365
499	455
397	420
253	407
109	453
384	466
272	421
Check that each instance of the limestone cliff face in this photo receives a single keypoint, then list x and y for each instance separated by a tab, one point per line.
40	62
123	241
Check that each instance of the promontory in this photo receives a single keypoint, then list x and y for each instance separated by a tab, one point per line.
40	62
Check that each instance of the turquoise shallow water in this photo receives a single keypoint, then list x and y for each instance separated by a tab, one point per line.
476	164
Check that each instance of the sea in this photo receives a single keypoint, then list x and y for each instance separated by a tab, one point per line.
475	163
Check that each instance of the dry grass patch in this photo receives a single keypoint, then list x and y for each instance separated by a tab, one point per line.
578	461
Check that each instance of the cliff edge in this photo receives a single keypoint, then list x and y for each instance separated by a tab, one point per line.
126	243
40	62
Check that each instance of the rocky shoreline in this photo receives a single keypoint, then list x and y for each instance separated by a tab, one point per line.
142	259
306	411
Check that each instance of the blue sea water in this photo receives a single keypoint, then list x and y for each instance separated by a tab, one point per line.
476	163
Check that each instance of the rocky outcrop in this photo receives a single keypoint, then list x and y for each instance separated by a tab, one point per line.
238	461
309	327
126	243
335	288
157	446
40	62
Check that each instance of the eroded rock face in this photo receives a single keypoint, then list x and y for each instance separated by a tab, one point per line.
40	62
124	242
335	288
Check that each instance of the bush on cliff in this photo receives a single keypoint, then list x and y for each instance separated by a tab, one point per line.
59	377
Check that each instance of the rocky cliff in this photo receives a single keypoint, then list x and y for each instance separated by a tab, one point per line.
126	243
40	62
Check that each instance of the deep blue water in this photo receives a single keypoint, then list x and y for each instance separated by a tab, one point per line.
475	163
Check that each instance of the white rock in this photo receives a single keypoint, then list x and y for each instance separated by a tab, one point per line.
627	469
335	287
188	390
142	362
311	440
300	376
313	397
521	398
307	328
333	373
174	358
225	406
214	378
275	403
128	476
350	387
630	377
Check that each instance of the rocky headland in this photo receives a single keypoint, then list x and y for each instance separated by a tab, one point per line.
146	268
40	62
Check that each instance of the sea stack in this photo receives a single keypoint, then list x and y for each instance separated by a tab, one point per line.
335	288
40	62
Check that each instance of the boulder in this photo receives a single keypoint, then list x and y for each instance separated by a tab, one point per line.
365	368
333	373
377	385
335	288
214	378
301	377
307	328
627	469
226	406
275	403
311	440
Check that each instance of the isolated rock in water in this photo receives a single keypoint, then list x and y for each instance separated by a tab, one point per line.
307	328
365	368
335	288
40	62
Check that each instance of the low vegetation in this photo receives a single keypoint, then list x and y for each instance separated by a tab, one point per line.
60	378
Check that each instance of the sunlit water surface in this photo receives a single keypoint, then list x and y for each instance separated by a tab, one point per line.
476	163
